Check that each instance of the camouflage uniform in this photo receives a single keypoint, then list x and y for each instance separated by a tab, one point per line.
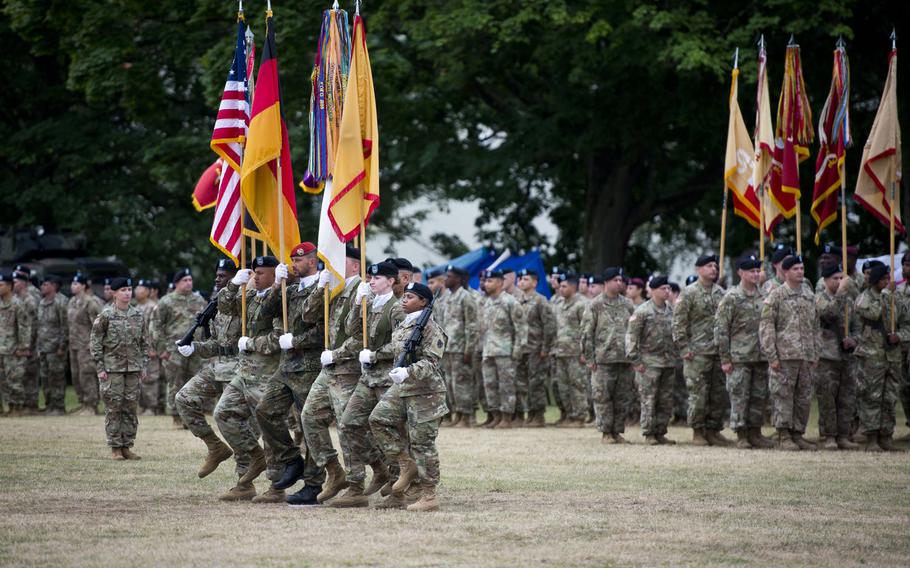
460	319
835	380
693	332
149	391
30	302
15	335
903	296
81	311
480	394
51	344
789	334
878	365
235	411
373	384
736	337
173	317
120	348
649	342
603	335
503	319
419	402
535	347
570	373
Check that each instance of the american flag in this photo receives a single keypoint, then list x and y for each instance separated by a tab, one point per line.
227	141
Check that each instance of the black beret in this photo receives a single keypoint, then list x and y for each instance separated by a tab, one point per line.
6	277
526	272
226	264
792	261
780	253
401	263
155	284
869	264
20	275
351	251
80	278
386	269
690	279
415	270
831	270
569	277
832	249
706	259
107	281
748	263
118	283
674	287
555	270
264	262
492	273
658	281
612	272
457	270
22	268
180	275
596	280
508	271
877	273
50	278
421	290
906	257
435	272
145	283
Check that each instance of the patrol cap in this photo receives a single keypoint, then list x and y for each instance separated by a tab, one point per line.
223	264
877	273
80	278
748	263
434	272
386	269
351	251
780	253
637	282
264	262
596	280
118	283
792	261
180	275
690	279
492	273
457	270
869	264
304	249
612	272
832	249
419	289
526	272
830	270
706	259
569	277
658	281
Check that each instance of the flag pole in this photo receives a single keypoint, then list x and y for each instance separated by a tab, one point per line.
891	222
363	272
723	214
279	188
325	315
761	224
845	94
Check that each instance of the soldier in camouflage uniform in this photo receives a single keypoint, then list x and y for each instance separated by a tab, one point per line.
81	310
204	389
120	351
570	372
480	394
257	360
503	319
878	357
51	344
149	399
789	334
24	290
836	384
649	347
603	336
15	342
416	401
736	336
535	347
460	319
693	333
903	296
173	316
555	300
781	252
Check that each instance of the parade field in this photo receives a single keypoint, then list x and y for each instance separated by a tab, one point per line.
520	497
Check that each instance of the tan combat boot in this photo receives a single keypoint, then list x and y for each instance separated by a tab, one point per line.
456	419
116	454
129	455
465	421
786	442
407	473
844	443
830	443
698	437
394	500
427	502
218	452
240	492
607	438
872	442
664	441
651	441
518	419
495	420
412	495
336	480
715	438
271	496
353	496
256	467
742	440
379	479
755	438
505	421
619	439
885	443
85	411
176	422
803	443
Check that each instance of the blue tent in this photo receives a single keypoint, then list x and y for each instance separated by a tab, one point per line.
478	260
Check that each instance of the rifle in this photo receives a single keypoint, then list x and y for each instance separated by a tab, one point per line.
413	342
202	320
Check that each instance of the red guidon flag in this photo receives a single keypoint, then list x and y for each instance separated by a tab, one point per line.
764	147
267	158
793	134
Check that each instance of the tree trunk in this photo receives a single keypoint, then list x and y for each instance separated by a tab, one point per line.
608	221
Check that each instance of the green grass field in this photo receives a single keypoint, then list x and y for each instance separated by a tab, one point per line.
547	497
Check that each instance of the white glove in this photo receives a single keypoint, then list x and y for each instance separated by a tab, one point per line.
398	374
323	278
286	341
326	358
363	291
281	272
186	350
241	343
367	357
242	277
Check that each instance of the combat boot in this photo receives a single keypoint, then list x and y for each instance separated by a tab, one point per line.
292	472
14	411
562	417
240	492
394	500
830	443
664	441
353	496
872	442
885	443
619	439
590	419
698	437
129	455
256	467
844	443
456	419
336	480
495	420
387	488
715	438
85	410
539	420
465	421
742	440
651	441
803	443
755	438
427	502
407	473
412	495
305	497
116	454
380	477
218	452
505	421
176	422
904	438
786	443
607	438
272	495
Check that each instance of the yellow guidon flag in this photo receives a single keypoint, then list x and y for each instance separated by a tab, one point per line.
738	163
353	194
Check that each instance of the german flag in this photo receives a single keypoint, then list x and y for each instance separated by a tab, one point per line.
268	154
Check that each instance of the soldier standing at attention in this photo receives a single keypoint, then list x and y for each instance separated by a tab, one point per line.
571	370
508	281
51	343
174	315
693	334
460	319
81	310
531	390
502	316
649	347
736	335
603	336
120	350
777	257
148	398
790	341
903	296
15	341
29	297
